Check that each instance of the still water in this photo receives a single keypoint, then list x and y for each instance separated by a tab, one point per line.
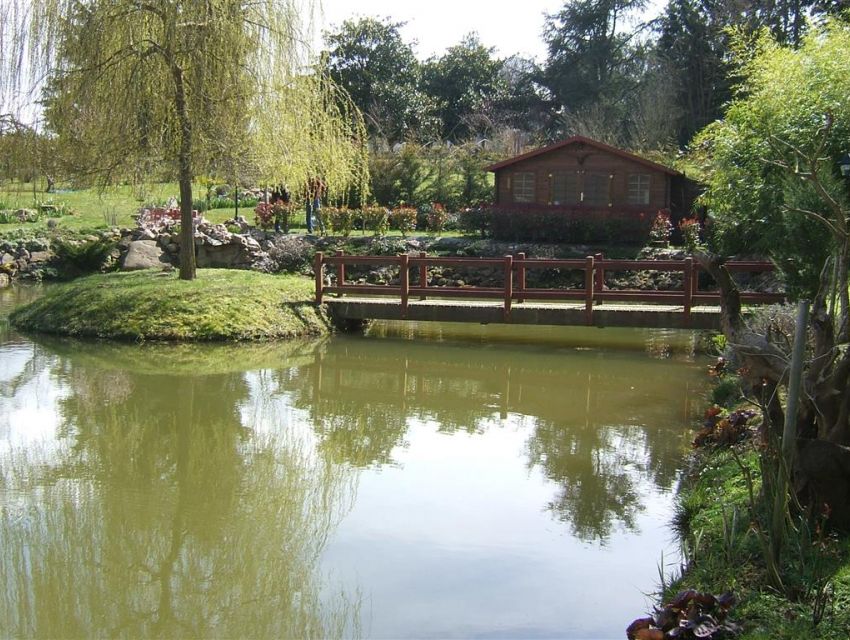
454	481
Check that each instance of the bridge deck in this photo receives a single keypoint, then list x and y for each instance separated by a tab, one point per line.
541	313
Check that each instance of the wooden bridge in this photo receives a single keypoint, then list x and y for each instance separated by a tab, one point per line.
593	304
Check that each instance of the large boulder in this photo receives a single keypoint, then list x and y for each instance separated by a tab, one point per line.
144	254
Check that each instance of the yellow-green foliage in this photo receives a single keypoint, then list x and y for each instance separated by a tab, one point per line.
154	305
255	111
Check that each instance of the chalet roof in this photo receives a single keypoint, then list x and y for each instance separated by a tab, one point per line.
589	142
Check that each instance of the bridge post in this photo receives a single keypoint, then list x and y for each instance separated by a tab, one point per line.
520	276
589	276
318	269
404	278
689	289
423	273
599	281
509	286
340	273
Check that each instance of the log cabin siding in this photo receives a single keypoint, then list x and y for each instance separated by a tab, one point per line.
578	158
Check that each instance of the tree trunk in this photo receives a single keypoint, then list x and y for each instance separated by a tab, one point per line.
187	231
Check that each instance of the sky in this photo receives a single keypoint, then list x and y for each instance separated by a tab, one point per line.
512	28
439	24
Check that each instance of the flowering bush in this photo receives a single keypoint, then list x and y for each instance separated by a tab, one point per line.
272	214
404	219
437	218
662	228
691	228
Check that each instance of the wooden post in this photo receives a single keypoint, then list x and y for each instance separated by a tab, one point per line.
423	273
404	277
588	290
599	281
695	279
688	284
520	276
509	286
340	273
318	269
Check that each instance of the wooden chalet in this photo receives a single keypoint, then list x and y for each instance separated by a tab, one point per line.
580	175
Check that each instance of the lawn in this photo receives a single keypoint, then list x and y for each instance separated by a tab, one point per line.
95	208
220	305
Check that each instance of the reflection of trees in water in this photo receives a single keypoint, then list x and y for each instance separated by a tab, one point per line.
602	427
164	516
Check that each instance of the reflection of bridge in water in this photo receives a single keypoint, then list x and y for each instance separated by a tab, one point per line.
517	303
478	385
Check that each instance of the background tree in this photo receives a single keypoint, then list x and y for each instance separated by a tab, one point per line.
368	58
692	48
467	86
590	57
181	83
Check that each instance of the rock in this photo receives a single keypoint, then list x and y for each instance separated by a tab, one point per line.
7	258
40	256
144	254
37	244
22	254
172	247
143	234
5	280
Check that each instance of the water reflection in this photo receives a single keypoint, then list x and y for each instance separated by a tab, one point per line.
161	514
601	424
173	491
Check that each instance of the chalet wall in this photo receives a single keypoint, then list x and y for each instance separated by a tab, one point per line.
577	158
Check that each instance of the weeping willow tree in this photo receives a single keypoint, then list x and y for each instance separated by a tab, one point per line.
199	86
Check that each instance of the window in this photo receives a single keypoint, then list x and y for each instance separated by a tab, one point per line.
524	187
565	188
638	188
596	190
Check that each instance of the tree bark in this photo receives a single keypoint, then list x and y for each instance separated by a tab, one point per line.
185	177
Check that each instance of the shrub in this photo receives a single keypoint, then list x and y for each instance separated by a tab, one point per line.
341	219
437	218
404	219
690	228
53	209
289	254
662	228
272	215
227	203
376	219
83	256
475	220
567	226
18	216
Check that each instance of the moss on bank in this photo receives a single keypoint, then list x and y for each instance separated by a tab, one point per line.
154	305
715	523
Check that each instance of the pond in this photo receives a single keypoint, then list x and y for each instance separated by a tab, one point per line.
419	481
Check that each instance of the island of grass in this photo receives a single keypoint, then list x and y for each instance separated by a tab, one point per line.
219	305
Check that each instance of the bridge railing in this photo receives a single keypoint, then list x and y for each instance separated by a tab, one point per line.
515	270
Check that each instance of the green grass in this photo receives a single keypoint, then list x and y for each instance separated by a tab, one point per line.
714	519
220	305
96	208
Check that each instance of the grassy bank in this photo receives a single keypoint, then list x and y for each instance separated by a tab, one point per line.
153	305
718	524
